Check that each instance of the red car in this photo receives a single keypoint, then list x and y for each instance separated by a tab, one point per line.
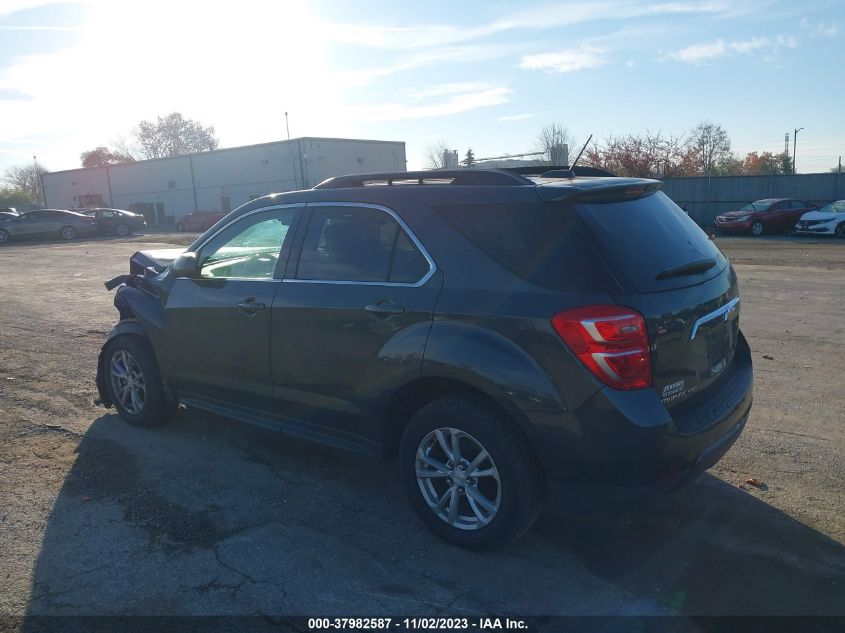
199	221
771	215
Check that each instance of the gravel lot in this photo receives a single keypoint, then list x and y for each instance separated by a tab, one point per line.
205	516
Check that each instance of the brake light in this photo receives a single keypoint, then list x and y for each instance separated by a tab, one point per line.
611	341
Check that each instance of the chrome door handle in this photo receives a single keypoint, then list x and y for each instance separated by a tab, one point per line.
385	309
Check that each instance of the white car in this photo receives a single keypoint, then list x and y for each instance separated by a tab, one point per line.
829	220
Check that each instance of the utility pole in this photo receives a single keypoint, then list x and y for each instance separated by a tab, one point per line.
794	145
41	197
287	126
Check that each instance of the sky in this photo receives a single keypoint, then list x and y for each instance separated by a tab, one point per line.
486	75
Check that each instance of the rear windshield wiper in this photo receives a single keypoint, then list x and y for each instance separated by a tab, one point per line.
690	268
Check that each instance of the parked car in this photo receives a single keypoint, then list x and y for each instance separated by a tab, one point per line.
8	213
199	221
47	223
498	334
829	220
117	221
768	216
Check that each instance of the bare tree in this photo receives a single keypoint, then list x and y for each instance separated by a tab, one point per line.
711	145
551	139
25	178
434	155
174	135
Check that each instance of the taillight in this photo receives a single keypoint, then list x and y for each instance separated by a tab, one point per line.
611	341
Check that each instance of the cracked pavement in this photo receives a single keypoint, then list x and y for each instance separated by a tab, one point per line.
208	516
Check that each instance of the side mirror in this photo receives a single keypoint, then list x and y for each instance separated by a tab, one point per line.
186	265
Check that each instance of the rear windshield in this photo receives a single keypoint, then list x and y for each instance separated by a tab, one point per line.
642	238
540	242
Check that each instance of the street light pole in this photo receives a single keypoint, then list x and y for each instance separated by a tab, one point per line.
794	145
287	126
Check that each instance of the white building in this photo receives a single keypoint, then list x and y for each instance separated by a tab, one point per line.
166	189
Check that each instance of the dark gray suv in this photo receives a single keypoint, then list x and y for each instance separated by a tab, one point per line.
504	337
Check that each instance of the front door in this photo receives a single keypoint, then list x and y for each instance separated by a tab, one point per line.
351	321
218	324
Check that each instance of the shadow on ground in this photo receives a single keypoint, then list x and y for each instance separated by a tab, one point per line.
205	516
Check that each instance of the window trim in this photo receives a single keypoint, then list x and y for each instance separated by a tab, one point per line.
277	273
432	267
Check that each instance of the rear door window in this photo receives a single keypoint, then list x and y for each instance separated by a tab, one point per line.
359	244
541	242
642	238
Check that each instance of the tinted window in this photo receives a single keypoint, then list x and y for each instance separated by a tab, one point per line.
250	248
798	204
541	242
642	238
358	244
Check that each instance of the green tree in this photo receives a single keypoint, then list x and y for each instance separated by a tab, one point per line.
469	159
102	156
174	135
16	198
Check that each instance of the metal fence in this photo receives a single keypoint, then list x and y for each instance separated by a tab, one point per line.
707	196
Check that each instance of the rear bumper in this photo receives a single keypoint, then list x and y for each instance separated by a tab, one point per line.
627	445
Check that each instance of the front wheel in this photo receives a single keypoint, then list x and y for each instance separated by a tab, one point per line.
469	474
4	236
122	230
840	232
133	381
180	227
757	229
69	233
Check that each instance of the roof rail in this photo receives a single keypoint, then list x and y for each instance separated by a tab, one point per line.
558	171
482	177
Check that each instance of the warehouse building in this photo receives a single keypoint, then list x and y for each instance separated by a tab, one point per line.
167	189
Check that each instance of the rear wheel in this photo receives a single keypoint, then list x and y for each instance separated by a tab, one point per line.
757	229
840	231
69	233
4	236
123	230
133	382
469	474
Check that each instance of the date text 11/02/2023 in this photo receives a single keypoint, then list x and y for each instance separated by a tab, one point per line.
418	624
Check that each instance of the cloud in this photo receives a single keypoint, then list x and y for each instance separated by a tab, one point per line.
820	29
566	61
516	117
455	103
701	53
12	94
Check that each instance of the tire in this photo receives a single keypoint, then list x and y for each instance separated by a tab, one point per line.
757	229
69	233
4	237
135	354
180	227
123	230
839	232
516	499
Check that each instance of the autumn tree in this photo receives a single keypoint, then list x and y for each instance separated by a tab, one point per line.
550	142
174	135
649	155
102	156
25	179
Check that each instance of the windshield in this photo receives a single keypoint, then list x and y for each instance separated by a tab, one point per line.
760	205
834	207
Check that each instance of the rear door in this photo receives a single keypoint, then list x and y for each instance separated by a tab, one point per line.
678	280
351	320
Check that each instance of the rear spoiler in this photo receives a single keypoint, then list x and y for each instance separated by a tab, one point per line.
630	190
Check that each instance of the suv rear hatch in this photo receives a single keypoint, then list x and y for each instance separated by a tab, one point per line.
668	270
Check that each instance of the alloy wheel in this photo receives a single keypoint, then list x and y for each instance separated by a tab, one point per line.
68	232
127	381
458	479
757	228
4	237
122	230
